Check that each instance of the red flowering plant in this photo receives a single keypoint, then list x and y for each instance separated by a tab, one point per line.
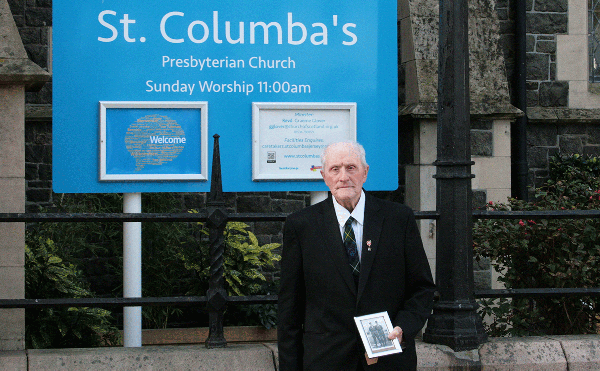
546	253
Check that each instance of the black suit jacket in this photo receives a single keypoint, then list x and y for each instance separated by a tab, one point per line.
318	298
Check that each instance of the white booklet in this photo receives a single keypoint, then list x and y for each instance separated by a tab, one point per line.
374	329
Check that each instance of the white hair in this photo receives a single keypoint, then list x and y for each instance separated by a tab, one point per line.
351	146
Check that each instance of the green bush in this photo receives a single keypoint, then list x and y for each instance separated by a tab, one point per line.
175	259
48	276
97	249
244	261
546	253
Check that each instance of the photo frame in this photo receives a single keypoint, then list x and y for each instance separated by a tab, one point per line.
374	329
288	137
153	141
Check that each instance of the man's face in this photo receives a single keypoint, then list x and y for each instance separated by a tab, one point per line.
345	175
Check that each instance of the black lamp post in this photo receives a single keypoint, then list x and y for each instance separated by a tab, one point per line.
455	321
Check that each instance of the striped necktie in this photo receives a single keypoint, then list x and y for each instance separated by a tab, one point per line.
351	248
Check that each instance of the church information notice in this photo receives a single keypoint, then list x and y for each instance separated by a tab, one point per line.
288	138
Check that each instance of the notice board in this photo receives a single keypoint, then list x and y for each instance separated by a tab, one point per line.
124	71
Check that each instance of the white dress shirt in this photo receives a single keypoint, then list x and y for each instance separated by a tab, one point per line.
359	217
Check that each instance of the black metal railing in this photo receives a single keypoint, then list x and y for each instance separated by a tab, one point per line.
216	307
537	293
202	216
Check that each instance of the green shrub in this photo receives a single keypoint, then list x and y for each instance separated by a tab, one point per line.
48	276
97	249
175	259
244	262
546	253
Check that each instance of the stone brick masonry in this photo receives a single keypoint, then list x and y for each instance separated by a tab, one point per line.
34	20
545	19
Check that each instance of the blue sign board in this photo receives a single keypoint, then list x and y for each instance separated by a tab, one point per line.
226	54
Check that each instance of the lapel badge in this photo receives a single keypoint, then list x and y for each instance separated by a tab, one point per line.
369	245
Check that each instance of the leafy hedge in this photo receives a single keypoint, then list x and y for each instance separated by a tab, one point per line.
546	253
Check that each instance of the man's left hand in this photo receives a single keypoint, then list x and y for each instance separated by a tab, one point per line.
396	333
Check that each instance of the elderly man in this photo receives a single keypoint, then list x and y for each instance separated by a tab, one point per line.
350	255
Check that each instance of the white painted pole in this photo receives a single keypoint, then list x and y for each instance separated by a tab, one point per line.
132	271
317	196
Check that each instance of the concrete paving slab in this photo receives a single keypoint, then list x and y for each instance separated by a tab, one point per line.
582	352
275	350
193	357
432	357
522	354
13	361
527	353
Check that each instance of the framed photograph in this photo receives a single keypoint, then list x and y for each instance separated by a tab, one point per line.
153	141
374	330
288	137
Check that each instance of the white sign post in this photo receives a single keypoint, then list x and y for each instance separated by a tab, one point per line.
132	271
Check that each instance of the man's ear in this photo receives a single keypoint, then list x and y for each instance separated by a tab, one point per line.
322	175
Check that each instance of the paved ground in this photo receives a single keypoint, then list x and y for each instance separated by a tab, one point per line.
523	354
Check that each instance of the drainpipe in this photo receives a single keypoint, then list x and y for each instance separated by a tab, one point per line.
519	168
